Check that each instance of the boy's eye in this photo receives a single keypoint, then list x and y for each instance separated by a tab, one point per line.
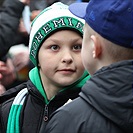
77	47
54	47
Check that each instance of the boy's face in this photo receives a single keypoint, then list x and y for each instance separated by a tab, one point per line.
60	58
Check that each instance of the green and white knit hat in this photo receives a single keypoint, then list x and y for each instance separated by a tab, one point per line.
51	19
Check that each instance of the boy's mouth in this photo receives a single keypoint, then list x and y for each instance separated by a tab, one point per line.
66	71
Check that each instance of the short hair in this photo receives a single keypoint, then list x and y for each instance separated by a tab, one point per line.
117	52
114	51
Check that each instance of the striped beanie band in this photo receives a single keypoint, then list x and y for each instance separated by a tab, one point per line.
50	20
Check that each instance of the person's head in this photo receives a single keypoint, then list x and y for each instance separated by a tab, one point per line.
108	32
55	45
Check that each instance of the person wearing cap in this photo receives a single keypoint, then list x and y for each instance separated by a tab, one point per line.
55	50
105	103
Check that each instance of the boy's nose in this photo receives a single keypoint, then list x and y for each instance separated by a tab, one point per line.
67	58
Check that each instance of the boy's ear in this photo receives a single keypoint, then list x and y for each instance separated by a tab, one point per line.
96	46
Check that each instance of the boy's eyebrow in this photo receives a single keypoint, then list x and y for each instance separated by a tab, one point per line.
56	40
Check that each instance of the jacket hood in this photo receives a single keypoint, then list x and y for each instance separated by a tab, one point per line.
110	92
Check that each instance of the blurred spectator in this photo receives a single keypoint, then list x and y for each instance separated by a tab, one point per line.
7	70
11	32
10	14
19	55
7	74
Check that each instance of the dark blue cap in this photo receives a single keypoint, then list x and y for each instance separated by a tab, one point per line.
112	19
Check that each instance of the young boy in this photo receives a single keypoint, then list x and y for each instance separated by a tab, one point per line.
105	104
55	49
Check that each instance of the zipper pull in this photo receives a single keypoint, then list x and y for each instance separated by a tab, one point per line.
46	113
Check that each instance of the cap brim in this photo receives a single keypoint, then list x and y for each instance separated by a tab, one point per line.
78	9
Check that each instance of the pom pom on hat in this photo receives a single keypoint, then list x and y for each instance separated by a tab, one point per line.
51	19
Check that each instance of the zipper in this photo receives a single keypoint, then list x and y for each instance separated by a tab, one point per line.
46	113
46	117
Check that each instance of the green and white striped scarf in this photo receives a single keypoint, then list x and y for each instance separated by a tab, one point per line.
14	115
